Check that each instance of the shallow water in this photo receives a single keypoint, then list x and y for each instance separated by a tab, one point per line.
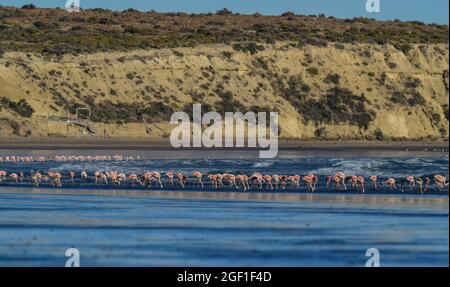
114	227
189	229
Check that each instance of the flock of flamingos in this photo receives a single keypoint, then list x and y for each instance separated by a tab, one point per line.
255	181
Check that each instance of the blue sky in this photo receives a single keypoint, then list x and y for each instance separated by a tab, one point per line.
429	11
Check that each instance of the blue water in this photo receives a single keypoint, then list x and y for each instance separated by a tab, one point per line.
172	228
183	230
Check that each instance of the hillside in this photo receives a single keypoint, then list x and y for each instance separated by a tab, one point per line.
328	78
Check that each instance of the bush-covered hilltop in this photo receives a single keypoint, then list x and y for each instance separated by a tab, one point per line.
129	71
56	31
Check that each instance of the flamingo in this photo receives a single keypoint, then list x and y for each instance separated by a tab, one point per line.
440	181
360	182
309	180
257	179
2	175
182	178
133	178
391	183
339	179
84	175
373	179
198	175
244	180
419	182
268	180
36	178
14	177
412	182
157	177
170	175
295	180
72	176
55	177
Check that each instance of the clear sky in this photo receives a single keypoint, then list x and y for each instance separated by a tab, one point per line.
429	11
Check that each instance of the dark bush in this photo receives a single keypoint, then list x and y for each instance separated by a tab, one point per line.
332	78
29	6
313	71
249	47
21	107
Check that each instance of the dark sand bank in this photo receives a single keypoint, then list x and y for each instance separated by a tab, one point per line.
151	144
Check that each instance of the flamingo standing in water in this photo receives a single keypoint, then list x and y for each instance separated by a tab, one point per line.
2	175
100	176
276	180
84	175
257	179
72	176
283	180
55	177
354	181
419	182
268	180
157	178
328	181
182	179
440	181
309	180
295	180
391	183
134	178
14	177
36	178
410	179
243	179
231	179
427	184
339	179
374	179
170	175
198	176
360	182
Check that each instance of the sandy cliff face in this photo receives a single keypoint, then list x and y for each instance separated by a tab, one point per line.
351	91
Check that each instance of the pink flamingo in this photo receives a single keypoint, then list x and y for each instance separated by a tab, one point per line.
244	180
440	181
198	176
391	183
14	177
157	177
55	177
268	180
72	176
37	177
411	181
360	181
84	175
170	175
133	178
374	179
182	178
309	180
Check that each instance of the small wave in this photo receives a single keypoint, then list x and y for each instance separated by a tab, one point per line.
262	164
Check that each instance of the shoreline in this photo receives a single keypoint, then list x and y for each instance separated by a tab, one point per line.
163	144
